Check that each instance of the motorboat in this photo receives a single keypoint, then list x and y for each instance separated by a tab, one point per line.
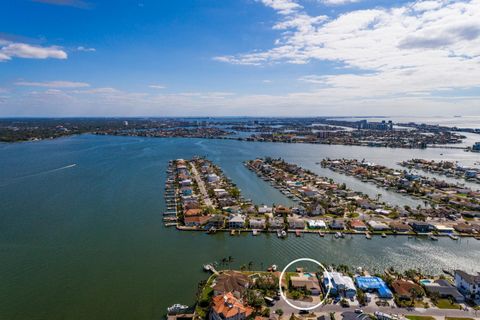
176	308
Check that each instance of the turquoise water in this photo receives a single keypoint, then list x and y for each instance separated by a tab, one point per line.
81	235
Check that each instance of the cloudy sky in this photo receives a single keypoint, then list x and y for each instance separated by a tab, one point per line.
239	57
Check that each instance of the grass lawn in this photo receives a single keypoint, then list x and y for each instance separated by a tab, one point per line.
420	318
447	304
452	318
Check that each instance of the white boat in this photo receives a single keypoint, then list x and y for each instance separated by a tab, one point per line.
433	238
281	234
176	308
339	235
453	237
254	232
368	236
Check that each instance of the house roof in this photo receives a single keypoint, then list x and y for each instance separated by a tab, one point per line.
237	218
398	225
231	281
305	281
470	278
196	219
192	212
357	223
228	306
404	287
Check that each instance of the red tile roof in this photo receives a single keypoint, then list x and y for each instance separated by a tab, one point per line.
227	306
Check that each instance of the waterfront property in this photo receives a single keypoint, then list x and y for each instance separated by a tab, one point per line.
443	289
230	281
446	168
445	199
374	284
228	307
468	284
406	289
306	281
340	285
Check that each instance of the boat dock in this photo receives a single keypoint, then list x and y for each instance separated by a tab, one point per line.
210	268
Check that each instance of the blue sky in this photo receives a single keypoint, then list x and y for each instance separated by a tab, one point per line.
239	57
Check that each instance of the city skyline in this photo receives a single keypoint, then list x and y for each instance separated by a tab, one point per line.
241	58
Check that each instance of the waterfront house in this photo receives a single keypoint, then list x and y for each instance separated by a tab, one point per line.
236	222
196	221
337	225
444	289
468	284
339	284
404	289
295	223
441	229
190	203
216	221
306	281
228	307
234	282
186	191
358	225
317	224
257	223
399	226
378	226
212	178
466	228
374	284
276	223
420	226
186	183
192	212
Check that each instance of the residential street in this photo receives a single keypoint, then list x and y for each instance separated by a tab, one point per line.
435	312
201	186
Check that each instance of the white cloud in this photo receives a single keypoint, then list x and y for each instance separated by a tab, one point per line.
423	46
69	3
9	50
338	2
53	84
85	49
282	6
157	86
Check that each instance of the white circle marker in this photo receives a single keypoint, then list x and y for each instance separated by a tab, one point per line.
285	298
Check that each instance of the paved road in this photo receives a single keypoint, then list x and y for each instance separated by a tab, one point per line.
435	312
201	186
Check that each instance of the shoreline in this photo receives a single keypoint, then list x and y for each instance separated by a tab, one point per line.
328	232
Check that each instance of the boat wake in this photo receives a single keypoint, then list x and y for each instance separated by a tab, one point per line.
13	180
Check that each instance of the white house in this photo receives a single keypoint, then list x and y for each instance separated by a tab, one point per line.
468	284
378	226
236	222
317	224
